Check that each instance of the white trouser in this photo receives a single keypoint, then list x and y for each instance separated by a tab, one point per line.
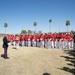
22	43
29	43
17	45
55	44
69	45
26	43
65	44
34	43
46	43
38	44
62	44
13	43
59	44
42	44
49	44
52	44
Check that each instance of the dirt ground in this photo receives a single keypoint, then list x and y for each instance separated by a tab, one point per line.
37	61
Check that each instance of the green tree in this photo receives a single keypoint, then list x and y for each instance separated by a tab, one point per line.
50	21
5	25
23	32
67	24
35	24
29	32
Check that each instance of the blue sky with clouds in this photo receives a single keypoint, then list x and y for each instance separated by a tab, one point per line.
21	14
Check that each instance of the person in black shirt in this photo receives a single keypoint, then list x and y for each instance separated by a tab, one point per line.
5	46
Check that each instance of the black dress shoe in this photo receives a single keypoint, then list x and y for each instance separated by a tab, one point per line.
7	58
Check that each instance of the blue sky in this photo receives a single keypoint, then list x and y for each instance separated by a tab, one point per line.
21	14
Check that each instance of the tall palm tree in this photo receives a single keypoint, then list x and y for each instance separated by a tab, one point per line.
50	21
67	24
35	24
5	25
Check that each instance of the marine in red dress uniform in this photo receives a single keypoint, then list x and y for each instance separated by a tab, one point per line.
34	38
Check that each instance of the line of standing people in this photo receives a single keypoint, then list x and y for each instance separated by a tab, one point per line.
55	40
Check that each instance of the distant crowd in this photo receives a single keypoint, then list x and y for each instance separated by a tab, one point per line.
50	40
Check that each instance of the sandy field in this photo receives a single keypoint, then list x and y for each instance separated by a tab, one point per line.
37	61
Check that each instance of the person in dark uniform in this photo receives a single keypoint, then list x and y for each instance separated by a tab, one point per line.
74	42
5	46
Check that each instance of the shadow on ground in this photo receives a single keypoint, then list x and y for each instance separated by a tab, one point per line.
71	59
46	74
2	55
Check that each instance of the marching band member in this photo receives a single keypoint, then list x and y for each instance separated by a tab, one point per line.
49	41
62	41
72	39
10	39
53	41
46	41
38	40
58	41
22	40
34	40
17	40
42	38
26	40
13	40
29	40
69	41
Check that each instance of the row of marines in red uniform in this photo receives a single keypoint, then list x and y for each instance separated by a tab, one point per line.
41	38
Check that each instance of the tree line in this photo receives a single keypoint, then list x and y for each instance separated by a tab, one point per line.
35	24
